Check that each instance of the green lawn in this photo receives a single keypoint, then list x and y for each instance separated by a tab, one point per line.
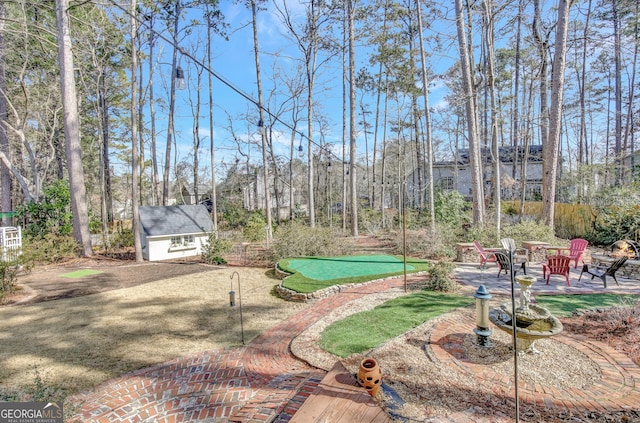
366	330
310	274
564	305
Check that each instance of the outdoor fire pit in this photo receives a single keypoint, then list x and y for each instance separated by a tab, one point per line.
625	247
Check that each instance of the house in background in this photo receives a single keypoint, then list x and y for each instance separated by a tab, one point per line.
169	232
253	196
631	167
188	196
456	175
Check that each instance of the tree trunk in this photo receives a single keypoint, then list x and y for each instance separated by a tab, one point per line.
345	74
618	90
172	103
352	122
5	173
427	116
155	178
263	135
542	42
493	130
196	136
214	201
72	131
477	189
135	195
106	162
515	131
551	150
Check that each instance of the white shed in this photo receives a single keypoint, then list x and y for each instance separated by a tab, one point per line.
169	232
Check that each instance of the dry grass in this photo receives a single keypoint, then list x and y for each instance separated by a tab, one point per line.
77	343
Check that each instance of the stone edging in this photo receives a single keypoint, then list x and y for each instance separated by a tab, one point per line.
290	295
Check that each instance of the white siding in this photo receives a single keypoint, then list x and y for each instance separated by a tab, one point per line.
159	247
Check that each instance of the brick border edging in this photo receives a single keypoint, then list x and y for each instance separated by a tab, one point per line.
289	295
618	388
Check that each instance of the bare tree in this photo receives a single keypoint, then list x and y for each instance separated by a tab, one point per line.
72	131
172	101
541	37
352	119
427	116
5	172
472	129
197	139
134	134
214	199
488	16
308	41
551	150
263	135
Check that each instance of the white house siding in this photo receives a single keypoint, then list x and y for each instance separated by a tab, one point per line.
159	248
461	175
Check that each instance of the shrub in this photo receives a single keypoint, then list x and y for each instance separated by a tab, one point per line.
49	249
441	277
51	215
298	240
39	390
615	223
450	208
9	270
527	230
122	238
254	229
427	244
233	214
215	248
622	318
370	221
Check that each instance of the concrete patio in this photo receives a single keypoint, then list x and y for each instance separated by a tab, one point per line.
471	274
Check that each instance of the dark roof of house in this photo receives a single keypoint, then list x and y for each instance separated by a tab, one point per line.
174	220
506	153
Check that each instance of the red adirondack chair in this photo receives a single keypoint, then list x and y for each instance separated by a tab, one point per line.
485	256
557	265
577	247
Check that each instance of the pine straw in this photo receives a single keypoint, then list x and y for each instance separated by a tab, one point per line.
77	343
429	391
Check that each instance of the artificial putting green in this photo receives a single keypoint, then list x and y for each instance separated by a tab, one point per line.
328	268
81	273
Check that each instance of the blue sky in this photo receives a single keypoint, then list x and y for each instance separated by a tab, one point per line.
234	61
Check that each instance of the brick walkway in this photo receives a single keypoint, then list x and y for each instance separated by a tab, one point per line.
261	382
264	382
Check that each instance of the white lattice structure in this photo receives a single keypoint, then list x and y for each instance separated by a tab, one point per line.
11	242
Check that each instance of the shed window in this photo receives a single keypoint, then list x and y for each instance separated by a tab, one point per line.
182	241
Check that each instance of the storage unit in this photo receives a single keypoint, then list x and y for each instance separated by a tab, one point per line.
169	232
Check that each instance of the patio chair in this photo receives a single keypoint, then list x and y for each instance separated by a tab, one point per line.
485	256
557	265
504	264
509	244
603	271
576	249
